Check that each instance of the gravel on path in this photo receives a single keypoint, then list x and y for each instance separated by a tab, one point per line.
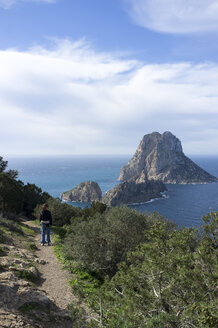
54	280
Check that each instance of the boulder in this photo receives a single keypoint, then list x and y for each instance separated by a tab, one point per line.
88	191
161	157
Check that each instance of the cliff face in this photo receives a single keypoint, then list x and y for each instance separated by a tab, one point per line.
160	157
88	191
130	192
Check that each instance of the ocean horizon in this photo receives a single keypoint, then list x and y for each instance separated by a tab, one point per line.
183	204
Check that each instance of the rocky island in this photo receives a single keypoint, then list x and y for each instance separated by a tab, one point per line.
161	157
124	193
130	192
88	191
158	160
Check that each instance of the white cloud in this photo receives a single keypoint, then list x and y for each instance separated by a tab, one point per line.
175	16
6	4
71	99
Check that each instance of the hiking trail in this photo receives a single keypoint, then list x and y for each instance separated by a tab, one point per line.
54	280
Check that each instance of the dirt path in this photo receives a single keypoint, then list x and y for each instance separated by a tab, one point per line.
54	280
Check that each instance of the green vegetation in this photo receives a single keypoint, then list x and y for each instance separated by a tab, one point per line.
30	246
2	252
62	213
11	225
12	229
27	275
78	315
29	307
19	199
27	230
15	197
99	243
138	270
83	283
169	281
133	270
32	196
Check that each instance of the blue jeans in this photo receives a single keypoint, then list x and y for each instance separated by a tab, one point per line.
45	230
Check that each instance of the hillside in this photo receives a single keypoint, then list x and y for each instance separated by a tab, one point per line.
35	291
124	268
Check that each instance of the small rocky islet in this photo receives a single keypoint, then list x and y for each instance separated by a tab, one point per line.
158	160
88	191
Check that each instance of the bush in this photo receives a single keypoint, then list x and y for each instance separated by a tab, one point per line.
169	281
101	242
96	207
32	196
2	251
11	193
62	213
15	197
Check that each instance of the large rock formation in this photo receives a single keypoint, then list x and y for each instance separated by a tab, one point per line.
88	191
130	192
160	157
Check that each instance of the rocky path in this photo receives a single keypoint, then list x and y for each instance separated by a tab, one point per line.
54	280
27	299
40	305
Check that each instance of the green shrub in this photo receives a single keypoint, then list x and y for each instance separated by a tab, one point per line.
101	242
27	275
168	281
78	315
31	246
32	196
1	235
62	213
2	252
95	207
11	193
29	307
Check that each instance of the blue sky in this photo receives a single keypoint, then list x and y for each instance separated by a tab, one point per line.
106	23
94	76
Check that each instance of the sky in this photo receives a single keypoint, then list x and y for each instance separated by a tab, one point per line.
95	76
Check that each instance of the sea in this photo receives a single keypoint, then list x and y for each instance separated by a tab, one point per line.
183	204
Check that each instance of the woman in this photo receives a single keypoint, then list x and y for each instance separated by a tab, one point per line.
46	222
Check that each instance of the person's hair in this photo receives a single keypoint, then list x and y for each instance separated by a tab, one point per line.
44	206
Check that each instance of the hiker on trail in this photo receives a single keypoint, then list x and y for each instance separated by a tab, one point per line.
46	222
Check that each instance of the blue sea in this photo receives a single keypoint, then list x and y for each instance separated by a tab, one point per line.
183	204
